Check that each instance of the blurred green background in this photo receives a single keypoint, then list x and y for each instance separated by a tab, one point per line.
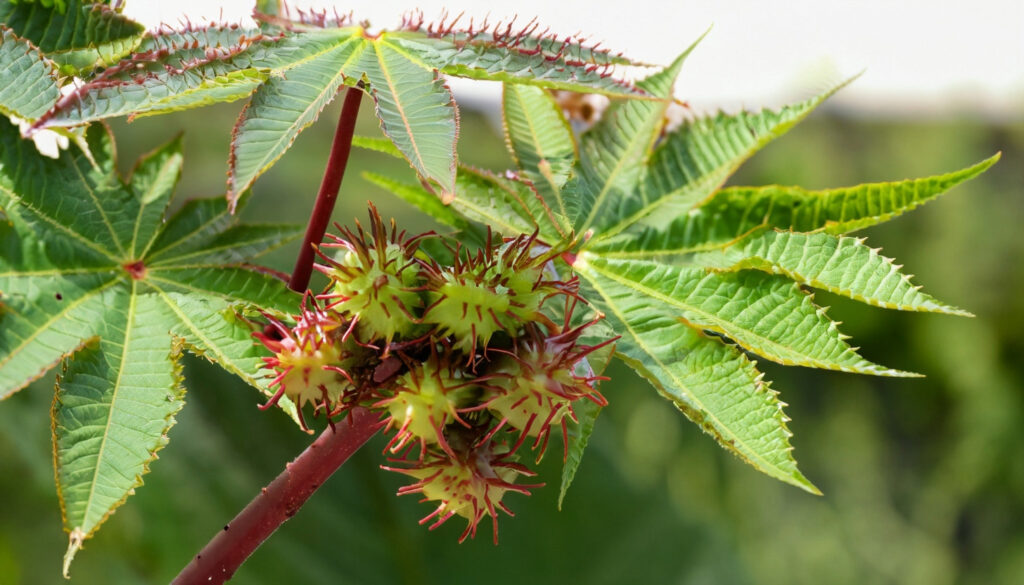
923	479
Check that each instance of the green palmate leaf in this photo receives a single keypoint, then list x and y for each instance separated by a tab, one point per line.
417	112
735	212
76	34
765	314
694	160
713	384
841	265
740	254
28	81
613	153
694	276
295	70
540	140
282	108
92	275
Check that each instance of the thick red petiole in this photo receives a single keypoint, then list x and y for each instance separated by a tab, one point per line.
328	195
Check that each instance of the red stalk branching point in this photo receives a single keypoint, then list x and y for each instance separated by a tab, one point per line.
280	500
320	218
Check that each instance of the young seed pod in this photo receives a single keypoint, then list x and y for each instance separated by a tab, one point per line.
426	399
499	289
532	387
375	281
471	485
311	359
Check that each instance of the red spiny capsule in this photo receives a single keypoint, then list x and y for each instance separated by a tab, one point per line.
471	485
374	280
534	385
310	359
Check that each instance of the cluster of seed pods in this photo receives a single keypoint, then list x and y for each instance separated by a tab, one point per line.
463	359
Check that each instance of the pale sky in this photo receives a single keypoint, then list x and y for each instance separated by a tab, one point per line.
919	57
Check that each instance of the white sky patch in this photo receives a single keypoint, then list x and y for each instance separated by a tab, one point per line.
919	57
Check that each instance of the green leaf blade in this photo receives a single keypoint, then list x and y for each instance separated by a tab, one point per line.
840	265
282	108
39	327
579	432
160	93
540	140
237	244
115	403
234	284
417	112
78	37
734	213
153	181
493	62
28	81
713	384
765	314
836	211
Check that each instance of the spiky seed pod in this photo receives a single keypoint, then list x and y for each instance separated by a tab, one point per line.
374	280
498	289
426	399
310	360
471	485
532	387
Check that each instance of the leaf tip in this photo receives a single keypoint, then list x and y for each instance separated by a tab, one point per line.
809	487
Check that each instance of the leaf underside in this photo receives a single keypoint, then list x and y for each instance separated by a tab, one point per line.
28	81
78	36
93	277
294	72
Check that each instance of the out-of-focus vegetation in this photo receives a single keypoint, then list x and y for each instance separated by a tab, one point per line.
923	479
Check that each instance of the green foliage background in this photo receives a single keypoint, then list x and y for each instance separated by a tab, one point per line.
923	480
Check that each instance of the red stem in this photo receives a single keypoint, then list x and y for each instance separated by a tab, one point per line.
328	194
280	500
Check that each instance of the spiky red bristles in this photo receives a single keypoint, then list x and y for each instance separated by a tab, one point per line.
471	486
426	399
497	289
374	280
309	359
535	384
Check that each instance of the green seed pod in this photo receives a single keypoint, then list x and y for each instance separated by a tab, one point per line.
532	387
311	360
499	289
426	399
471	485
376	283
